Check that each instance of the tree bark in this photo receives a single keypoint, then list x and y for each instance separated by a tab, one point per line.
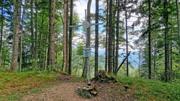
107	32
21	36
36	33
149	37
96	37
110	39
32	32
1	36
127	50
88	34
155	55
117	35
178	20
166	44
65	36
70	37
14	60
51	47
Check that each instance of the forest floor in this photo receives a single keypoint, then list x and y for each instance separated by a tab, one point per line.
66	88
45	86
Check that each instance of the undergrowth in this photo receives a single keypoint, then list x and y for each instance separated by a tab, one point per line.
152	90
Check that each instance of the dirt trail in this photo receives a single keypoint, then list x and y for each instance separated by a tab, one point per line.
65	91
62	92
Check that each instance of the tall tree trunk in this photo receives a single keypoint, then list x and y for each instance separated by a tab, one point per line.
127	61
171	51
113	35
149	38
51	47
14	60
36	33
21	36
65	36
86	59
1	36
117	35
178	20
107	32
110	47
96	37
139	62
165	15
70	37
32	32
40	42
155	54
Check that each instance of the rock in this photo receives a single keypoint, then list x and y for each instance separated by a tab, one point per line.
88	91
94	93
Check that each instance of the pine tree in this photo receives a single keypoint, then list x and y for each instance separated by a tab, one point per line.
15	47
65	36
70	36
96	37
51	47
117	34
166	44
149	37
1	35
110	39
86	59
127	60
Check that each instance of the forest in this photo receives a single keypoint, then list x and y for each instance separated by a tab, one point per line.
90	50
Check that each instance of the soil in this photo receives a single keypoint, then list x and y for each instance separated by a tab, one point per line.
65	91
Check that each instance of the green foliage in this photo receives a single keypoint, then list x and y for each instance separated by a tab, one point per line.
157	34
80	49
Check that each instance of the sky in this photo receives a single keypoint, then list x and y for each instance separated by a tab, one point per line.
81	5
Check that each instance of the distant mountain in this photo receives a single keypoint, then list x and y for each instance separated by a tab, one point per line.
133	58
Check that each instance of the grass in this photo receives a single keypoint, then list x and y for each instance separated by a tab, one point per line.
14	85
151	90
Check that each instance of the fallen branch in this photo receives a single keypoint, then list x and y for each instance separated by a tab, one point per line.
122	62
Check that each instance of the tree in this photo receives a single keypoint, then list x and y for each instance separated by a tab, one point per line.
2	26
70	36
117	35
110	39
51	47
178	20
107	32
65	36
21	35
96	37
149	37
87	49
127	60
36	32
166	44
32	31
16	31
